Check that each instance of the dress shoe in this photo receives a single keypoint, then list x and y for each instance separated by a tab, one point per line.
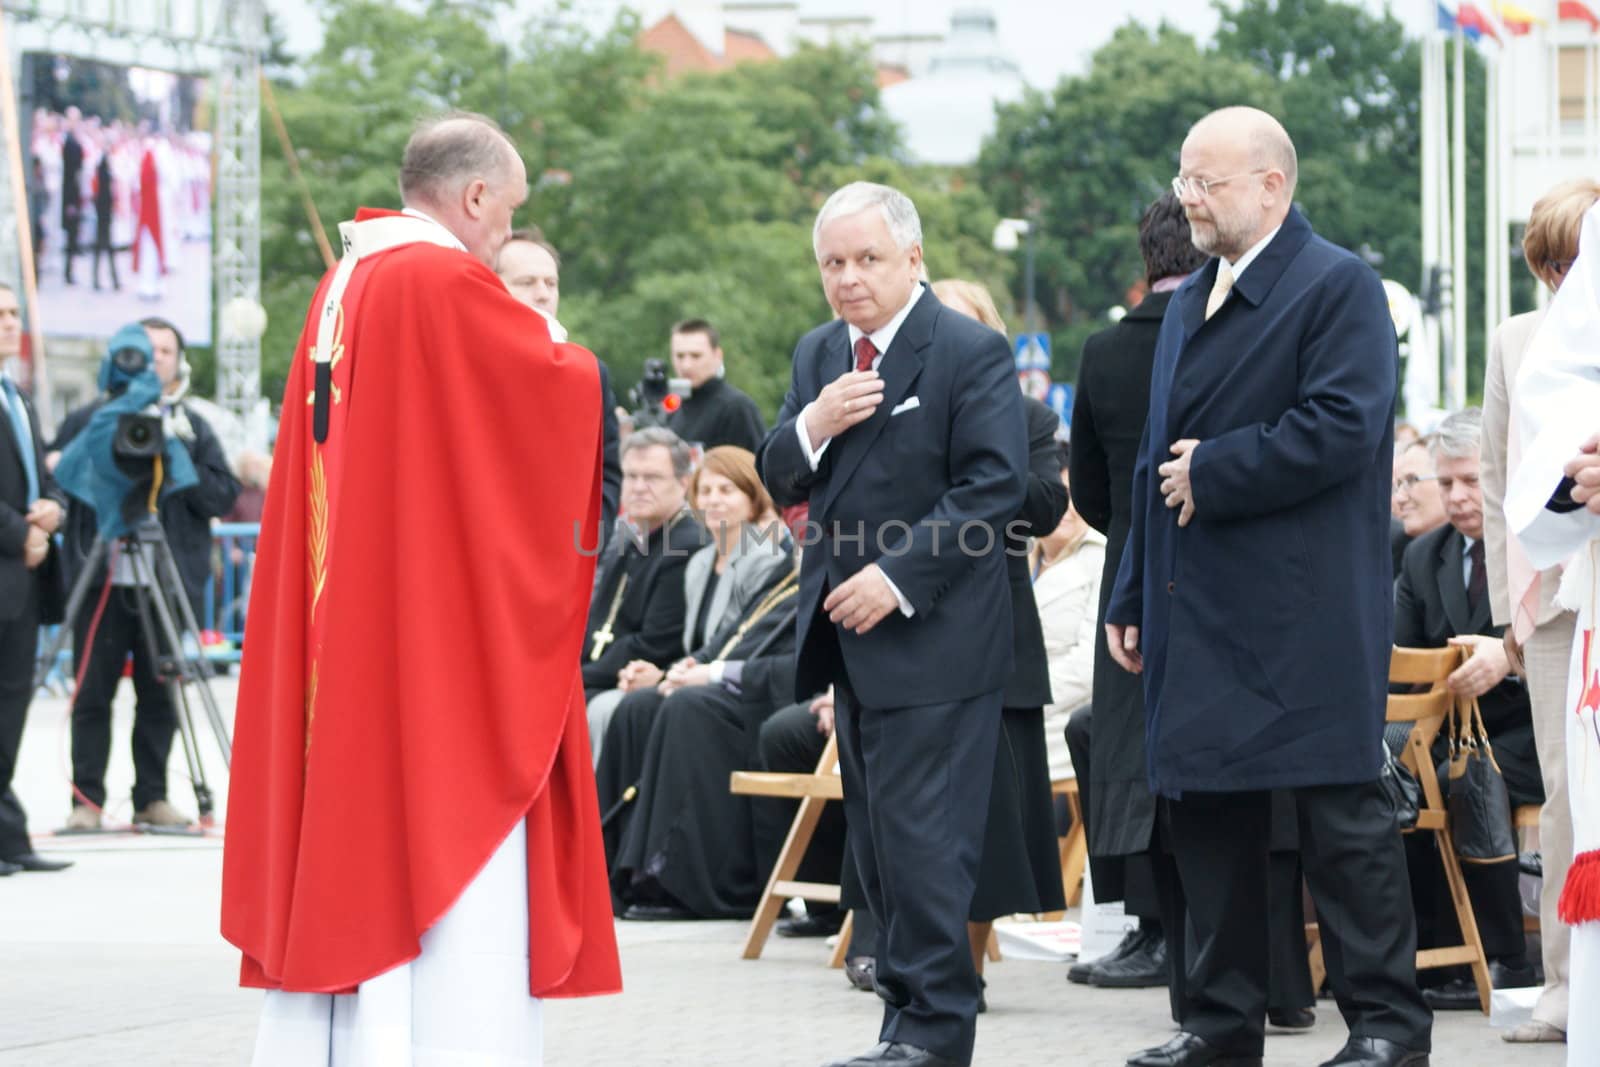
159	813
83	820
658	913
32	861
862	971
1143	968
1291	1018
1461	994
893	1052
1376	1052
848	1060
1189	1050
8	868
808	925
1534	1032
983	1000
1131	941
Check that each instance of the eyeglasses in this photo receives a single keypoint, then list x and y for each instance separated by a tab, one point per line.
1201	187
1411	481
647	479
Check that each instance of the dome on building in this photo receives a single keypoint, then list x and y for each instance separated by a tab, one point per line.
948	111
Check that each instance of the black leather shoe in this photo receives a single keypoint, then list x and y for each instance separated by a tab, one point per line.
1189	1050
848	1060
658	913
862	971
8	868
1131	942
32	861
1461	994
903	1055
1291	1018
983	1001
1376	1052
1143	968
825	925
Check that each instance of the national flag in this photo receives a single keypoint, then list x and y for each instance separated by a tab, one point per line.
1517	20
1576	11
1470	19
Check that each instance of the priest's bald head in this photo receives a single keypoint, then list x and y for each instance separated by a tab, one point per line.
1236	179
461	170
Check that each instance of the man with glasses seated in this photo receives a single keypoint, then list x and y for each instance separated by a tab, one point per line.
1442	597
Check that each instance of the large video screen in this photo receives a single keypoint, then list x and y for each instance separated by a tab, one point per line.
119	181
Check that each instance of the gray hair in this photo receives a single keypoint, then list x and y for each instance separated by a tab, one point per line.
660	436
448	151
898	211
1459	436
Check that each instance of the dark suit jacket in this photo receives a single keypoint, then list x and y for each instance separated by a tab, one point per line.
610	463
649	620
1430	607
14	503
1108	414
1043	504
1266	621
895	490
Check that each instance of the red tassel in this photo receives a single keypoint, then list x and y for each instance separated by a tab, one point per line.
1580	897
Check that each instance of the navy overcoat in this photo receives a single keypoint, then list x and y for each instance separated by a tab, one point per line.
1267	621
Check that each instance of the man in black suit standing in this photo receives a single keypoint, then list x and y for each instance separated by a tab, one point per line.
71	192
31	509
1256	597
1441	597
903	430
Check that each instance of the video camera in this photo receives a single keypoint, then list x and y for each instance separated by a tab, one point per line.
657	395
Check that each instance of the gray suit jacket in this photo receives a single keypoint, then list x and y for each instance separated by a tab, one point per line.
749	567
1499	387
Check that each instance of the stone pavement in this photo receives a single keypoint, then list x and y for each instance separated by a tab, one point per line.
117	961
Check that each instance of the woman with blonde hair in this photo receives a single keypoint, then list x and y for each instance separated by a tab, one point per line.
1538	634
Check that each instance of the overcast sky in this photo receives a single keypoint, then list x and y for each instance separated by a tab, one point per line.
1047	37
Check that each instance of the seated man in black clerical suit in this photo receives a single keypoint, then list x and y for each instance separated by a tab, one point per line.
679	844
1441	596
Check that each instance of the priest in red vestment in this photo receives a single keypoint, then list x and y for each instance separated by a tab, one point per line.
412	810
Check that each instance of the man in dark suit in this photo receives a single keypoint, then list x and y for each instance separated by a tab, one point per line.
71	192
1107	737
31	509
903	430
1441	597
1255	594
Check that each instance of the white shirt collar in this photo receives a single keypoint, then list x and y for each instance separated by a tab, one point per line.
883	336
425	217
1244	261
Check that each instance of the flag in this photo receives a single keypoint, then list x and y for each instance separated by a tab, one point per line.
1576	11
1474	22
1517	20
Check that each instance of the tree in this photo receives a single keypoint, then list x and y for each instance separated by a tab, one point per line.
1084	160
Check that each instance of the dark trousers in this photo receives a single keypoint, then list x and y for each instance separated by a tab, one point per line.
19	643
789	743
1354	862
916	789
102	246
1132	878
154	723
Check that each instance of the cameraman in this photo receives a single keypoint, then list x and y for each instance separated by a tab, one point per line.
186	520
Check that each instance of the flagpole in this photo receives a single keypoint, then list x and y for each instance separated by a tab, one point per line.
1458	369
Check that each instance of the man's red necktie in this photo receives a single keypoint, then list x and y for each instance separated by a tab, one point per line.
866	352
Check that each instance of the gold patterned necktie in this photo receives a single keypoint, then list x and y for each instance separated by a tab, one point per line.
1220	289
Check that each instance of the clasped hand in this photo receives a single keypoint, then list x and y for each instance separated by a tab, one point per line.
1486	668
1584	470
847	400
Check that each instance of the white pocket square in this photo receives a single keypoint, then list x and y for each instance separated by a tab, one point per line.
905	405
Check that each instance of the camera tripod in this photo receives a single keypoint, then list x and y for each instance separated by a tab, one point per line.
171	637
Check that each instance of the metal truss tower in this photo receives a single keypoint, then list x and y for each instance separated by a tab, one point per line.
238	200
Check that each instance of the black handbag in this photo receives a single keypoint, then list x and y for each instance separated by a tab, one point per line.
1480	808
1400	786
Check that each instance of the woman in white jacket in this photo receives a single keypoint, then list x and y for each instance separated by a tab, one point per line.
1066	585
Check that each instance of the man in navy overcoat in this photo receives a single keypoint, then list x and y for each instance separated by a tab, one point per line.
1255	595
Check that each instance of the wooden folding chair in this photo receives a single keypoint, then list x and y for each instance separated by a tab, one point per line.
1426	713
1074	844
1526	817
813	791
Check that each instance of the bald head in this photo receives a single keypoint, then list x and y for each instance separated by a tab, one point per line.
447	152
1243	160
462	170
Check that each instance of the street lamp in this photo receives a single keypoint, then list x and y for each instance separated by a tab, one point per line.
1006	234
